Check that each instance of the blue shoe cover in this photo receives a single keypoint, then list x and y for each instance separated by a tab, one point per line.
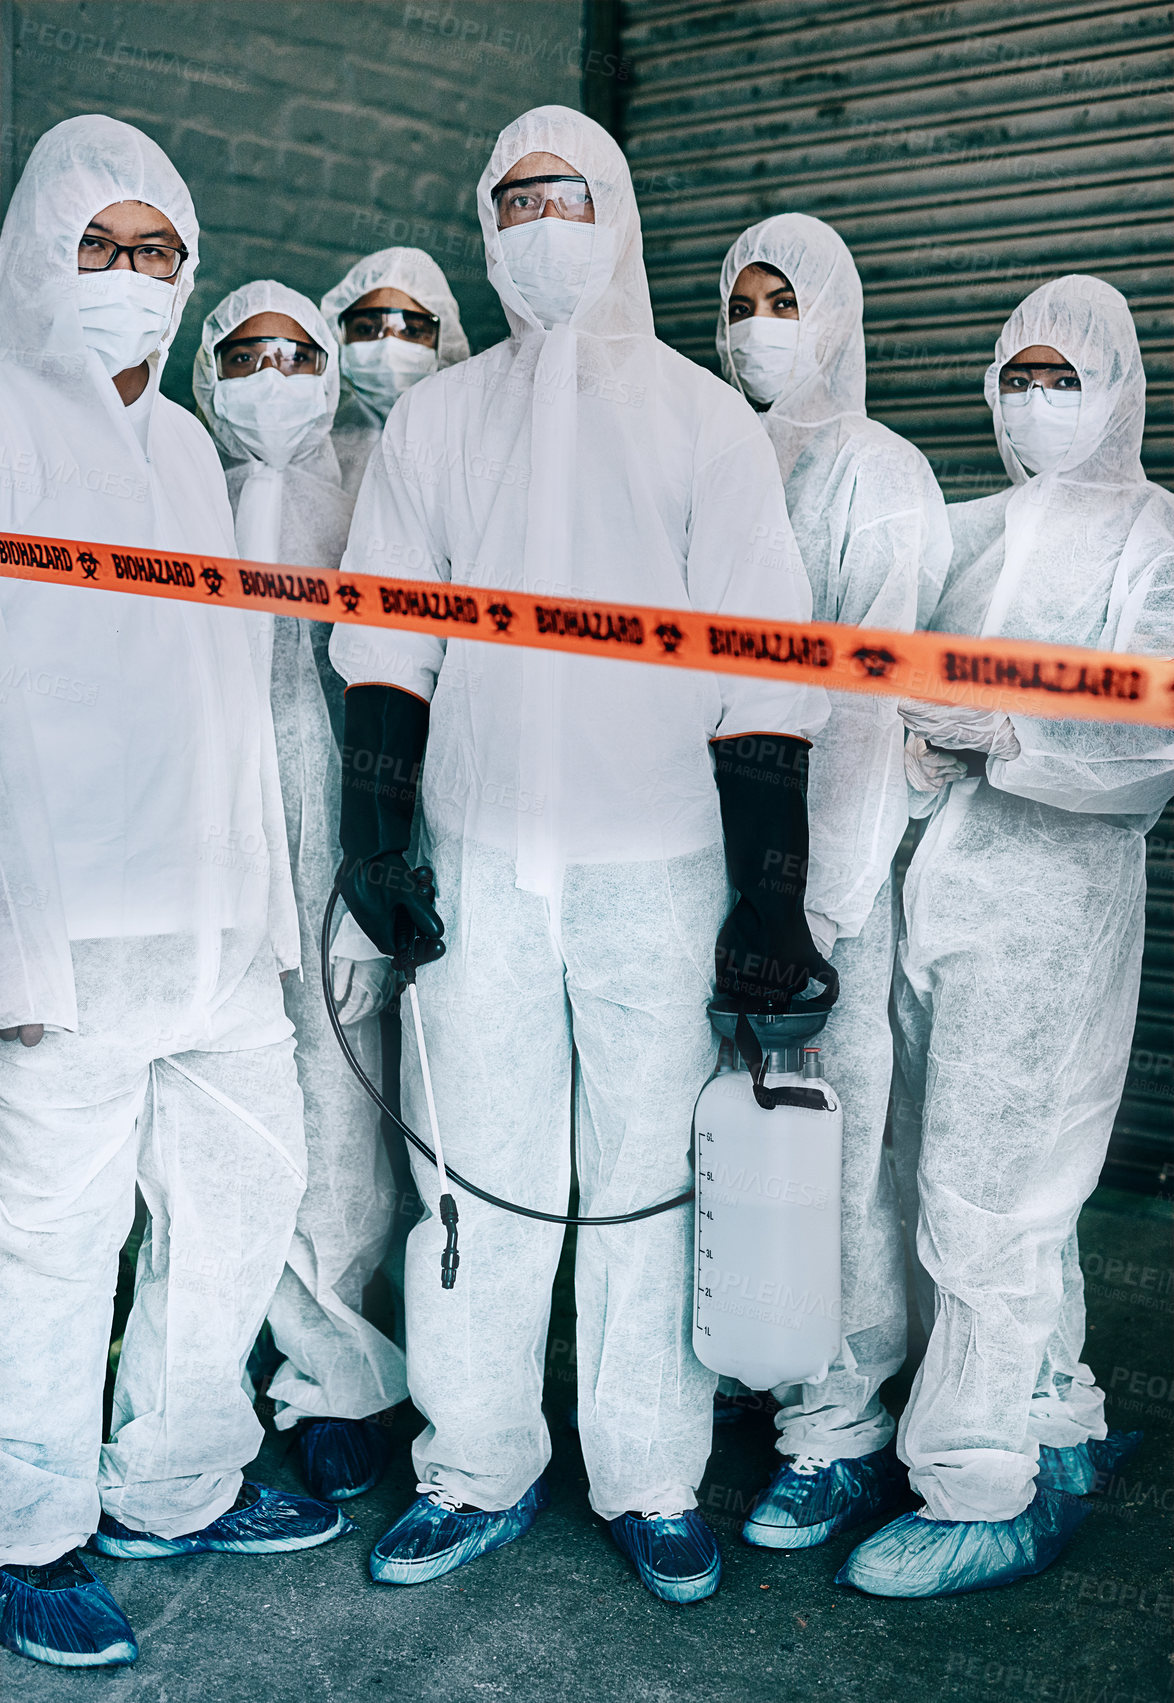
1084	1469
433	1537
260	1522
806	1505
341	1458
62	1615
676	1555
916	1557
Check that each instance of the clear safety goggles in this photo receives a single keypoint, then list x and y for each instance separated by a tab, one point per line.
1019	377
369	324
237	357
527	198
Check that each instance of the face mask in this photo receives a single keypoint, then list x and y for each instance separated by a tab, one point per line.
1040	425
763	353
381	371
548	260
124	316
270	413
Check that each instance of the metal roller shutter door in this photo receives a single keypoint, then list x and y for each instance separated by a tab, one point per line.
966	152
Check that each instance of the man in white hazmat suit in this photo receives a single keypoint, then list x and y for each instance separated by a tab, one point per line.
1020	955
871	526
154	753
266	381
572	817
395	321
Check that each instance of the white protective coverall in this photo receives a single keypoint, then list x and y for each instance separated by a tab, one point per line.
1024	915
871	525
358	424
338	1364
572	817
154	745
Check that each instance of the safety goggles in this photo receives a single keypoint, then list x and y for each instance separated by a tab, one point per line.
368	324
1018	377
152	259
527	198
237	357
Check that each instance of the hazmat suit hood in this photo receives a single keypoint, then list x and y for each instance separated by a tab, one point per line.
418	276
615	300
1090	324
827	376
76	169
264	295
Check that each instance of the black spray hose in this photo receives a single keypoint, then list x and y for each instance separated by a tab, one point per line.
449	1271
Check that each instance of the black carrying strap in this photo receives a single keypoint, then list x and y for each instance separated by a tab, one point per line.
787	1094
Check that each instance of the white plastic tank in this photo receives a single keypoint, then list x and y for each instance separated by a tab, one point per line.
767	1216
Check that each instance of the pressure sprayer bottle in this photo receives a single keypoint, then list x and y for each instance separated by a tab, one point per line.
768	1133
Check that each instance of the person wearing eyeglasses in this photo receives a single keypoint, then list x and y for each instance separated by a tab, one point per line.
1020	956
585	818
395	321
871	526
266	380
152	739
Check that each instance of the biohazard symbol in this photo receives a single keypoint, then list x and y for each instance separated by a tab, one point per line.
877	664
88	563
670	636
351	597
213	579
501	615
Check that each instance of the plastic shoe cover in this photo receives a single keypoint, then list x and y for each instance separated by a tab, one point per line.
1084	1469
806	1503
433	1536
916	1557
676	1555
341	1458
260	1522
61	1614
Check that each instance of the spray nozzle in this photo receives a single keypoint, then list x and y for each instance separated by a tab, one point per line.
450	1258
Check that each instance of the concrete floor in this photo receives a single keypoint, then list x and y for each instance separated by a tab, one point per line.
560	1615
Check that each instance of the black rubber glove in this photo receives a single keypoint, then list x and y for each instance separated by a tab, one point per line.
384	735
765	954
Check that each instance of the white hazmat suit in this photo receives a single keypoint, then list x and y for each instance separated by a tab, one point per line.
338	1364
157	769
1024	916
871	525
572	817
360	421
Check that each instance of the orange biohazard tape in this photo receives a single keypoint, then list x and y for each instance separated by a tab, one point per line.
1008	674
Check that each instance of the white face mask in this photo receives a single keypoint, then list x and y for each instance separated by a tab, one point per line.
270	413
382	370
1040	425
124	316
763	353
548	260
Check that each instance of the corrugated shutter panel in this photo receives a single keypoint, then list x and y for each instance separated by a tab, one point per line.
966	152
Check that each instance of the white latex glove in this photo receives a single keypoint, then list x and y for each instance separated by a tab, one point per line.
930	771
956	727
361	986
361	978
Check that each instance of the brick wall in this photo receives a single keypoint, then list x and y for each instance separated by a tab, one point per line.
309	134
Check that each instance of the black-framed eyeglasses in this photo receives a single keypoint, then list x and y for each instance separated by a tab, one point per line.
369	324
239	357
1021	376
152	259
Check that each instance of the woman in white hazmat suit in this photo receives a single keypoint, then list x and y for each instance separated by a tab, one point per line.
1020	955
157	770
572	817
266	381
871	525
395	320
